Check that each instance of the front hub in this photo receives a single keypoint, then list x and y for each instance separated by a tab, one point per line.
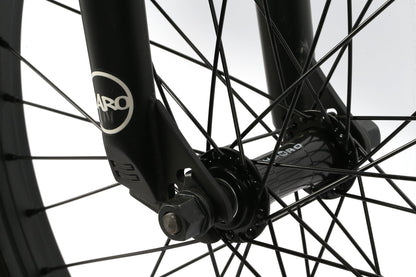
242	183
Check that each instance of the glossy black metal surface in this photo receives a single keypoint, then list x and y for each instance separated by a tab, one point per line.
145	148
292	21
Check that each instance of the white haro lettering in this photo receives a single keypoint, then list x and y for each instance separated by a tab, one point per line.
121	103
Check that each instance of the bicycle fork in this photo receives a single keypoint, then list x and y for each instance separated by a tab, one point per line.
148	154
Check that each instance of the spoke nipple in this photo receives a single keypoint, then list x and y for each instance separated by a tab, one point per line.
4	43
171	223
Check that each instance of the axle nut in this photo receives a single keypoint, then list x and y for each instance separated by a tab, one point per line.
184	216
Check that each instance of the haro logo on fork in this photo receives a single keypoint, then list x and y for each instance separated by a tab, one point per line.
114	102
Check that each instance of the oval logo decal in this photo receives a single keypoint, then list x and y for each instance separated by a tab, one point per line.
114	102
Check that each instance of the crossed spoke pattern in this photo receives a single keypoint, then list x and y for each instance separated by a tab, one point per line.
239	254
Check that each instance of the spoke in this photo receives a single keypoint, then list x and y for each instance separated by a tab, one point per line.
214	262
278	255
392	184
255	138
159	260
192	261
311	258
214	69
276	57
162	92
244	261
219	51
342	51
207	63
347	234
315	235
328	235
64	6
245	254
50	83
79	197
12	99
386	140
190	115
369	227
380	203
312	69
120	256
230	259
349	78
302	234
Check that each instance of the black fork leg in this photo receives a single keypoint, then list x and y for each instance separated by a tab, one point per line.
145	148
291	20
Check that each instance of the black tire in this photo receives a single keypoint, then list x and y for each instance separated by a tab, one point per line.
21	234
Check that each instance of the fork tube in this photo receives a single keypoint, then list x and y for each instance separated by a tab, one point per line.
293	20
145	148
119	52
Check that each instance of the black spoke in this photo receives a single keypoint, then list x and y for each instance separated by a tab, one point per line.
214	262
347	234
369	227
328	235
391	183
159	260
386	140
245	255
189	114
256	138
315	235
276	58
303	237
192	261
219	51
64	6
50	83
278	255
230	260
162	93
349	77
79	197
13	99
244	261
120	256
380	203
215	68
342	51
312	258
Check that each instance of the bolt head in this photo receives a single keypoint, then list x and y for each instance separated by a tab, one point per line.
171	223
